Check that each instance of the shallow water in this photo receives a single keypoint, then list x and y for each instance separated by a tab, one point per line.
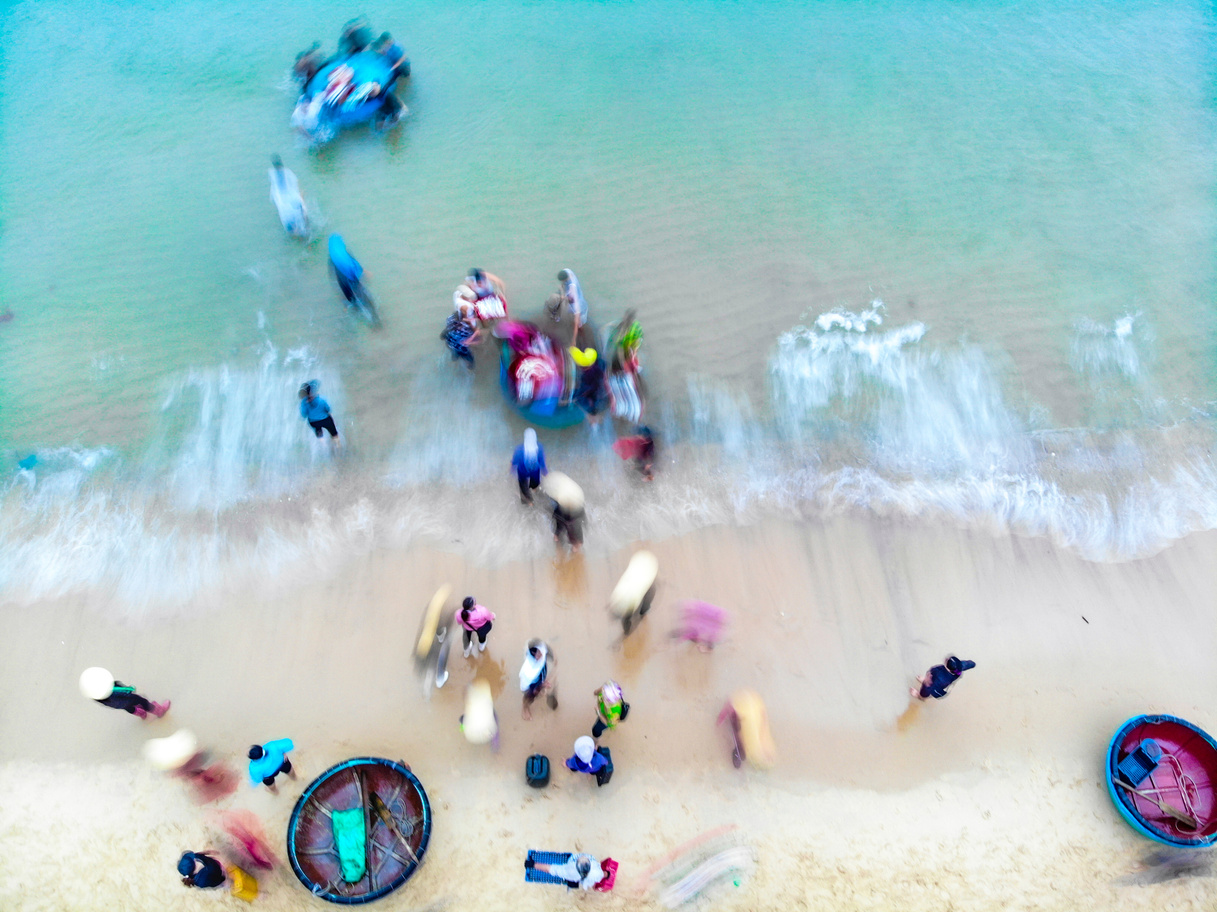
921	259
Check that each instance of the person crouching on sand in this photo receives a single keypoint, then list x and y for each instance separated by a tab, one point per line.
938	680
537	676
98	684
198	869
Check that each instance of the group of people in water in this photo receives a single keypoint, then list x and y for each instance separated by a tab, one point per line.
348	84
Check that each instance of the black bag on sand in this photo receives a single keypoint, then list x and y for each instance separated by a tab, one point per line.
536	771
606	773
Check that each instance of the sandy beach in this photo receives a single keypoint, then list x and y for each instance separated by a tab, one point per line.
992	798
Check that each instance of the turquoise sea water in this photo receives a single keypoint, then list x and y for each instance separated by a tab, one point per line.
1009	208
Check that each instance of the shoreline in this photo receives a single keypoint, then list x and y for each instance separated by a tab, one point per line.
830	622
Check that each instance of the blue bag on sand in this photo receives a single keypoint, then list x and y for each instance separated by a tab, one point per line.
536	770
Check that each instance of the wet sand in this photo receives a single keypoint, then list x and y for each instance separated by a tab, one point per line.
992	798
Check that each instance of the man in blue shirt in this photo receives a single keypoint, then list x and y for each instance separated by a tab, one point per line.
266	761
316	411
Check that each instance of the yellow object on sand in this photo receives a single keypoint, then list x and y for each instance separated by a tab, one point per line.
431	620
638	577
754	728
478	723
585	358
244	886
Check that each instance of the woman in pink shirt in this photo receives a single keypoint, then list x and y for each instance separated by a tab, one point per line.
477	619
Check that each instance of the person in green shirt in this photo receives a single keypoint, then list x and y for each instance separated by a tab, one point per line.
611	708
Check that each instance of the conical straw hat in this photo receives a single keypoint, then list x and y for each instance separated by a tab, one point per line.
96	683
171	753
562	488
638	577
478	723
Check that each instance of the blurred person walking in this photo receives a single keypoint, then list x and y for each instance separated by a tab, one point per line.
937	682
537	676
567	498
611	708
316	411
529	462
266	761
98	684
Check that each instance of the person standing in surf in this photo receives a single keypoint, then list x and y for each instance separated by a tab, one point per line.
285	194
459	333
571	293
529	463
316	411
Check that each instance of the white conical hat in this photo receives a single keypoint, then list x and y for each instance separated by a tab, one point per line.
478	722
96	683
634	583
171	753
562	488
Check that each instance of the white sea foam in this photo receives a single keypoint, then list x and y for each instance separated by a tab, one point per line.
1101	351
861	417
226	436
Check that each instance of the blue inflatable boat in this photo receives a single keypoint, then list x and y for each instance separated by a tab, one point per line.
543	411
343	93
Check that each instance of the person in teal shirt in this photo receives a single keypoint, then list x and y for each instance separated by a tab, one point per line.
316	411
266	761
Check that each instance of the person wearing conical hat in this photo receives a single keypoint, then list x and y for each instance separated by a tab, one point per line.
632	596
479	722
567	498
180	755
98	684
745	711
